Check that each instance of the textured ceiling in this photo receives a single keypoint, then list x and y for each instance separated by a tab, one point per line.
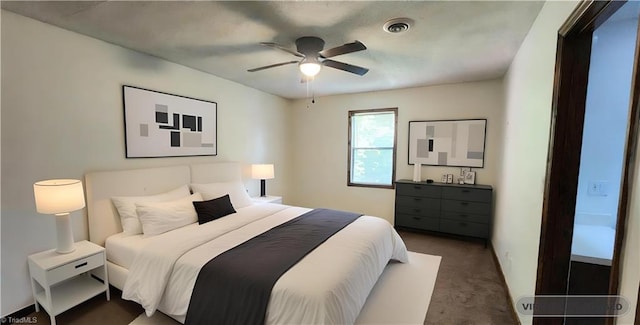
450	41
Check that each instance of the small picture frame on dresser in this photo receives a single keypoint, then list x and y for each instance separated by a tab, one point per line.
449	178
470	177
444	179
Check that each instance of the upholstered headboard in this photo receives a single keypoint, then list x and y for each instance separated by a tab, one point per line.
104	220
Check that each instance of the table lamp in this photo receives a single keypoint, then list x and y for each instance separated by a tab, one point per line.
262	172
60	197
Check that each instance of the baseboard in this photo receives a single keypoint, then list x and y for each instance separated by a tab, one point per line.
504	282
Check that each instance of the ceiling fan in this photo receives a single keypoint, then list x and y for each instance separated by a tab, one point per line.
310	49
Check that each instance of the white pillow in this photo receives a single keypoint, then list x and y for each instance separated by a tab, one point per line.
235	189
159	217
126	206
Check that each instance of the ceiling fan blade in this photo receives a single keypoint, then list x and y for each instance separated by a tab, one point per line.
346	67
281	48
271	66
344	49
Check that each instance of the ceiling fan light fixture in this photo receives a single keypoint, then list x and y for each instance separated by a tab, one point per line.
397	25
310	68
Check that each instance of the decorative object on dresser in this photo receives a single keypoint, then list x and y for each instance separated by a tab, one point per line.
158	124
60	197
448	208
447	143
262	172
417	172
59	282
469	177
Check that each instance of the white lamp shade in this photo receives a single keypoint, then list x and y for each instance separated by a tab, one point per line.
310	68
262	171
58	196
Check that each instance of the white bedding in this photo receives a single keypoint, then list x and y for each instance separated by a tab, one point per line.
122	249
328	286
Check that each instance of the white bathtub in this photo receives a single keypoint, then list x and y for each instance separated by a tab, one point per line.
592	244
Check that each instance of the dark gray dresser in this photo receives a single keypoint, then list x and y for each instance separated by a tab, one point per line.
449	208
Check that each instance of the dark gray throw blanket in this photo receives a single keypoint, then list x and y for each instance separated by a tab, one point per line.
235	286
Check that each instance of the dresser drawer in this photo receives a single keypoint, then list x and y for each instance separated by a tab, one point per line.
74	268
466	207
418	222
461	216
418	202
418	190
419	211
464	228
466	194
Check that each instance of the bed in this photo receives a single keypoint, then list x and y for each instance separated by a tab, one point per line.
160	271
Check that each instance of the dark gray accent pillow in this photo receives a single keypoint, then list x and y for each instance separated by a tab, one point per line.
213	209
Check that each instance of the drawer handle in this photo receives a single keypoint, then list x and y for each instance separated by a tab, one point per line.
417	187
464	203
416	210
81	265
463	216
417	199
416	218
465	191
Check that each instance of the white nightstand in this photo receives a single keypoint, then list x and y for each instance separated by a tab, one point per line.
61	281
267	199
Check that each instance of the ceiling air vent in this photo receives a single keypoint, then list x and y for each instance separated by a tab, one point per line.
397	25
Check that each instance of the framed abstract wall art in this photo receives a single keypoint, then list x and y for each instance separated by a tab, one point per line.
158	124
458	143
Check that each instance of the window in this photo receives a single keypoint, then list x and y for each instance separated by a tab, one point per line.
372	147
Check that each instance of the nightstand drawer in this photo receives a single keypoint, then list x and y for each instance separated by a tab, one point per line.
461	216
418	202
466	194
74	268
418	190
465	228
412	221
466	207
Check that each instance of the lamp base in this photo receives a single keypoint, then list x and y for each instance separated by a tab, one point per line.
263	188
64	234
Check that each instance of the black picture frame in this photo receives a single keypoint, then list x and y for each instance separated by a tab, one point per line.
453	143
159	124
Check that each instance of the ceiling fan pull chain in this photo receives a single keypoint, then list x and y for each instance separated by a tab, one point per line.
307	85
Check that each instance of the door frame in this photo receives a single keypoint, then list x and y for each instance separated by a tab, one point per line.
563	162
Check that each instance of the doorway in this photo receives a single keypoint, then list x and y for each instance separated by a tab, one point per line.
568	172
602	154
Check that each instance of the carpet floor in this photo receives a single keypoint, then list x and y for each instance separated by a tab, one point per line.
468	289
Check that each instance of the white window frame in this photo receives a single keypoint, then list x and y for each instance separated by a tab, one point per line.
351	149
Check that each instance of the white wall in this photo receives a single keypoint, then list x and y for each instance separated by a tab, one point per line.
528	96
320	135
63	116
605	122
